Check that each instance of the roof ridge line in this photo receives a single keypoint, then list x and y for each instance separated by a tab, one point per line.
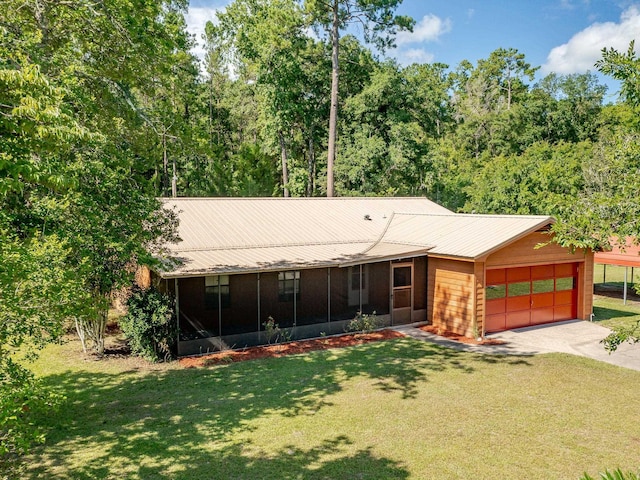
270	245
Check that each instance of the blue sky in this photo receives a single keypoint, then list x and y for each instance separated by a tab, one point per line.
561	36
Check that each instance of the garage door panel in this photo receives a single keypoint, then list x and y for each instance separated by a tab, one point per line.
565	270
518	274
542	315
496	306
496	323
564	312
498	275
518	319
564	298
542	300
542	271
518	303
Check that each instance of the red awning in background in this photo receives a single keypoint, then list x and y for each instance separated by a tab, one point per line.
626	256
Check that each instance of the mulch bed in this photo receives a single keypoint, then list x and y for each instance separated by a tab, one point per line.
289	348
459	338
303	346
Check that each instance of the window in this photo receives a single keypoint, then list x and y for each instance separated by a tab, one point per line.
357	279
543	286
517	289
496	291
566	283
216	287
288	285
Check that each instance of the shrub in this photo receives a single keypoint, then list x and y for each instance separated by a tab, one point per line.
616	474
150	325
364	323
274	333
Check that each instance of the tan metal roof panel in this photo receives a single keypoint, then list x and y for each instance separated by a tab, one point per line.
462	235
247	222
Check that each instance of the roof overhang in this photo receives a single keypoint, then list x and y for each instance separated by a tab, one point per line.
196	263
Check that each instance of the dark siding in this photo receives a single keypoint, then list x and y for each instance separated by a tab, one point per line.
420	283
378	289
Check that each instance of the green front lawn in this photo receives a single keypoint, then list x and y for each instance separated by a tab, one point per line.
611	312
399	409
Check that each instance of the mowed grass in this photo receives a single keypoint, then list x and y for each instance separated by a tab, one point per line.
400	409
611	312
614	274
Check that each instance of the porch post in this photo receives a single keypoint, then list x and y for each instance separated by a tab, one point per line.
295	298
258	302
624	298
175	280
219	309
391	291
329	294
360	288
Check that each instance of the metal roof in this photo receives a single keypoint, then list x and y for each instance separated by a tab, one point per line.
468	236
239	235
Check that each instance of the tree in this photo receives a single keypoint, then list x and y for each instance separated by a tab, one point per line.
608	208
77	203
387	126
379	25
624	67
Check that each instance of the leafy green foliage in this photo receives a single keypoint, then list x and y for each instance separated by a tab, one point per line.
150	325
621	335
364	323
624	67
274	333
616	474
23	399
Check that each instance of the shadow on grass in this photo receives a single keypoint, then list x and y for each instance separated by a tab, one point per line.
605	313
189	423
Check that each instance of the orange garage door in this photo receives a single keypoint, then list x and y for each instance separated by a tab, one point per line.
523	296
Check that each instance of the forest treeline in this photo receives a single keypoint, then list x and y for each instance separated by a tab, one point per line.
103	109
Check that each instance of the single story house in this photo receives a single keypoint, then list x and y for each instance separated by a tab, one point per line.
311	264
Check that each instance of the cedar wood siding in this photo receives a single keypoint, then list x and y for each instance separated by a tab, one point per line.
451	295
523	252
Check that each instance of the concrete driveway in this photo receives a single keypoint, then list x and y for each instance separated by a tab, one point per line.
574	336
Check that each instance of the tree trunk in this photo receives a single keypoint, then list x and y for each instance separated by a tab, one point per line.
165	166
285	169
333	113
311	167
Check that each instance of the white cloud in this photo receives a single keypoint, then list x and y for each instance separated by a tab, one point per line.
429	29
583	49
197	18
414	55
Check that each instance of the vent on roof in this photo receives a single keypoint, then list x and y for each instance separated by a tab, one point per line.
367	217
